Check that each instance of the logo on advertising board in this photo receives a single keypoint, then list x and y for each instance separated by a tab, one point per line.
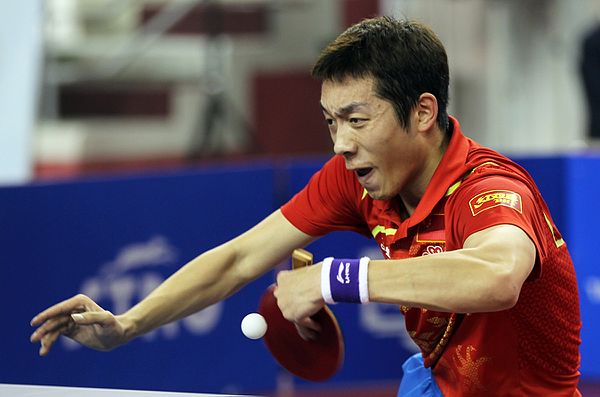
495	198
134	273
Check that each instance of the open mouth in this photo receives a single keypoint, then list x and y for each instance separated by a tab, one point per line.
363	171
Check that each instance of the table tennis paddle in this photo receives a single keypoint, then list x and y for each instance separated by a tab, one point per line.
314	360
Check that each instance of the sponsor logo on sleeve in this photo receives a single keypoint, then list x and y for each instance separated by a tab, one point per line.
495	198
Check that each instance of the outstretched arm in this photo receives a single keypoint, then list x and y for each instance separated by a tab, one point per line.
207	279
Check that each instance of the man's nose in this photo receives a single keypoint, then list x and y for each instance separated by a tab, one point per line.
343	142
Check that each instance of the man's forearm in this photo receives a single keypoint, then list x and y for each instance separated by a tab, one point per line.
202	282
216	274
485	276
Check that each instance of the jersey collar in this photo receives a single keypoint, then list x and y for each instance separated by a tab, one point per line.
452	167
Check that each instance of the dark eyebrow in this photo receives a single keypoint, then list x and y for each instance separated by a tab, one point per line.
346	110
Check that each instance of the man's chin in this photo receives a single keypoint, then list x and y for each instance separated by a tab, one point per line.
378	195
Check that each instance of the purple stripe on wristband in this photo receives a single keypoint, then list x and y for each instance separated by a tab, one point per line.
344	280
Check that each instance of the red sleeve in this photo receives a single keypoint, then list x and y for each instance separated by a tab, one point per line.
495	200
329	202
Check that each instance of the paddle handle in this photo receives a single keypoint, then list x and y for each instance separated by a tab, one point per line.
301	258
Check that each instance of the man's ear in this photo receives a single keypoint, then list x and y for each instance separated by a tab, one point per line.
426	112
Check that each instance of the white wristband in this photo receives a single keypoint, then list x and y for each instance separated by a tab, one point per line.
325	287
363	279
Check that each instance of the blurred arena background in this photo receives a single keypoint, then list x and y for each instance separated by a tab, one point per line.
136	133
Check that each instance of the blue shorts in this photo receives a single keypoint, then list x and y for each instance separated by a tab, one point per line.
417	380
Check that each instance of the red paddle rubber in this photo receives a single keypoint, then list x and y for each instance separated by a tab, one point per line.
315	360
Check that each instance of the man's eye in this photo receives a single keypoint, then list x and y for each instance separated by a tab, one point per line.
329	121
355	120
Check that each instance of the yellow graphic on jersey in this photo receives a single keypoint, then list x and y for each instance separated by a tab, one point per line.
382	229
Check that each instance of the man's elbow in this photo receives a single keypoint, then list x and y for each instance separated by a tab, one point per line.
504	293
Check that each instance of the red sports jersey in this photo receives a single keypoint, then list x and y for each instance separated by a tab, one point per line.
531	349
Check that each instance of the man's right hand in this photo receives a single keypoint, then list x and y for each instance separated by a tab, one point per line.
80	319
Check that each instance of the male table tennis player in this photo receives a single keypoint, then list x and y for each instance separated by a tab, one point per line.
472	256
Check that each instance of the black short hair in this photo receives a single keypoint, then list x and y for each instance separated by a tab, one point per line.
405	58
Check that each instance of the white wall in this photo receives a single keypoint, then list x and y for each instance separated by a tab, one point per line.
196	67
20	55
514	79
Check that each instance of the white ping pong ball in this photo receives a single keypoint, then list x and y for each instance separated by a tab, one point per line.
254	326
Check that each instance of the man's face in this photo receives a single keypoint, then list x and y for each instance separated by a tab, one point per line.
385	157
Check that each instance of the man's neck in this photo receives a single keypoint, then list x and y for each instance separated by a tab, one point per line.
411	196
